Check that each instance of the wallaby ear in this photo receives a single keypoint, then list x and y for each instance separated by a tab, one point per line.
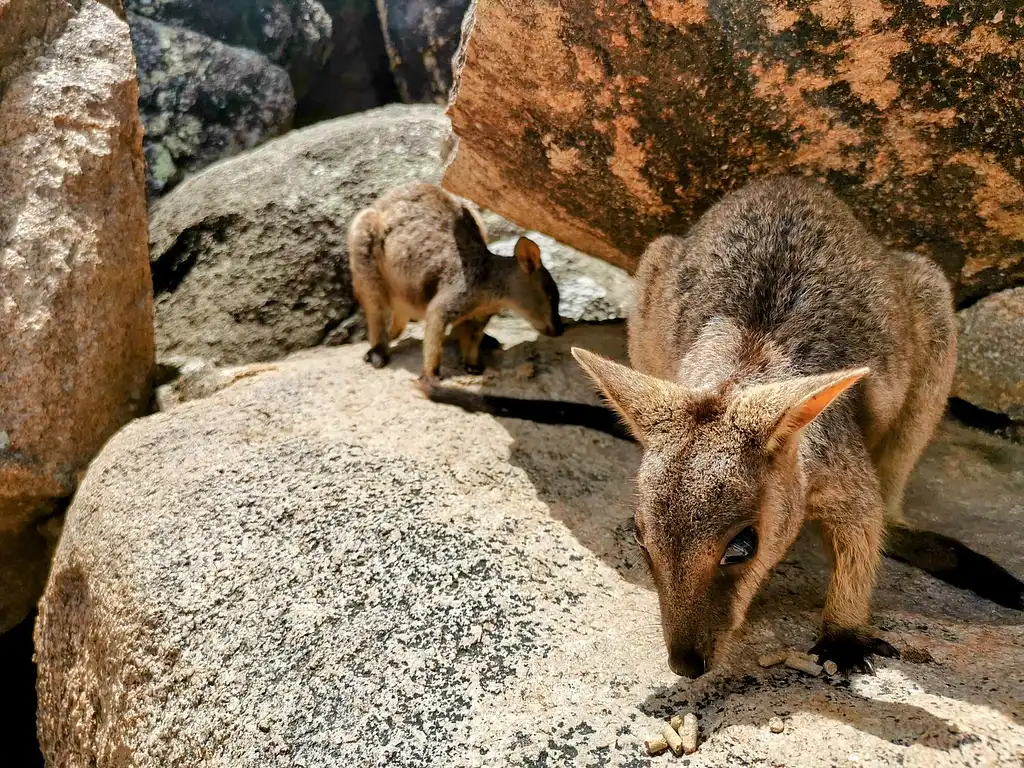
643	401
528	255
783	408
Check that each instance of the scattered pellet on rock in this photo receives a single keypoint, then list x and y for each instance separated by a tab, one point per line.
916	655
831	668
771	659
656	746
775	725
801	664
688	733
674	742
676	722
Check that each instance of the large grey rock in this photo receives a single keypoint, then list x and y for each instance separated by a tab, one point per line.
249	256
990	360
202	100
315	567
422	37
357	76
294	34
607	123
76	308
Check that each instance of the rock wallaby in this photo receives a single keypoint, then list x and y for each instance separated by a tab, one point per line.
417	253
786	367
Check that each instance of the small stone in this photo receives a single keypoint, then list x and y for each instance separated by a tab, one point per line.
776	725
656	746
772	659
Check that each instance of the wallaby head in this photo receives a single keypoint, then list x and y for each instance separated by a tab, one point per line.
533	291
721	494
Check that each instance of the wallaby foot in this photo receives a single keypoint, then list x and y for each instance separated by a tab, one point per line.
378	357
474	368
850	649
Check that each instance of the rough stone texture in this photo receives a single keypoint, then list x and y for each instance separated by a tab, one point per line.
357	76
249	256
990	363
422	37
606	123
316	567
294	34
76	313
202	100
589	289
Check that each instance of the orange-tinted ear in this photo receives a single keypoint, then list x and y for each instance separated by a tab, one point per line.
528	255
781	409
643	401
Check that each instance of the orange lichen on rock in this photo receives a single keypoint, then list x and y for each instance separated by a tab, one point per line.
868	66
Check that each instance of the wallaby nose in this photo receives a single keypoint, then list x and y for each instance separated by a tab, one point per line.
687	663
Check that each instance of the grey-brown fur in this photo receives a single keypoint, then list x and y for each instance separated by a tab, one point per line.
418	253
762	317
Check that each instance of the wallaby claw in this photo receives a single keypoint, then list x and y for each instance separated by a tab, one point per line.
850	651
376	358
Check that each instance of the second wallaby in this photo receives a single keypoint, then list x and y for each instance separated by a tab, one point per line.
418	253
786	367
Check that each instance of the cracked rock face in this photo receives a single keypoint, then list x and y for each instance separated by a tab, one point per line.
313	566
76	309
249	256
606	123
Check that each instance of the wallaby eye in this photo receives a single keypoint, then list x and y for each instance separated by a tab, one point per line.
741	548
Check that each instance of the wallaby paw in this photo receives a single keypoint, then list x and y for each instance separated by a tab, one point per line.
475	369
428	381
850	650
376	358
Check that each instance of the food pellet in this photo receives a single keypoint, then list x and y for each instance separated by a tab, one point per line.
656	746
771	659
688	734
831	668
775	725
676	722
803	665
674	742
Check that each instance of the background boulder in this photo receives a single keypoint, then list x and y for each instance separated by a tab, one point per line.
293	34
990	360
604	124
76	312
314	566
202	100
422	37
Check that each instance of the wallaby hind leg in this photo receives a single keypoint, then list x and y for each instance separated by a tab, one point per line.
471	335
365	249
397	325
442	310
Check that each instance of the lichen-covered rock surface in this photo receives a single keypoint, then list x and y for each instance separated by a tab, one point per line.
249	256
422	37
202	100
316	567
76	309
990	362
606	123
294	34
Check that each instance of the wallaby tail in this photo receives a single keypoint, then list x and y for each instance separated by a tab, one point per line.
955	563
540	411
